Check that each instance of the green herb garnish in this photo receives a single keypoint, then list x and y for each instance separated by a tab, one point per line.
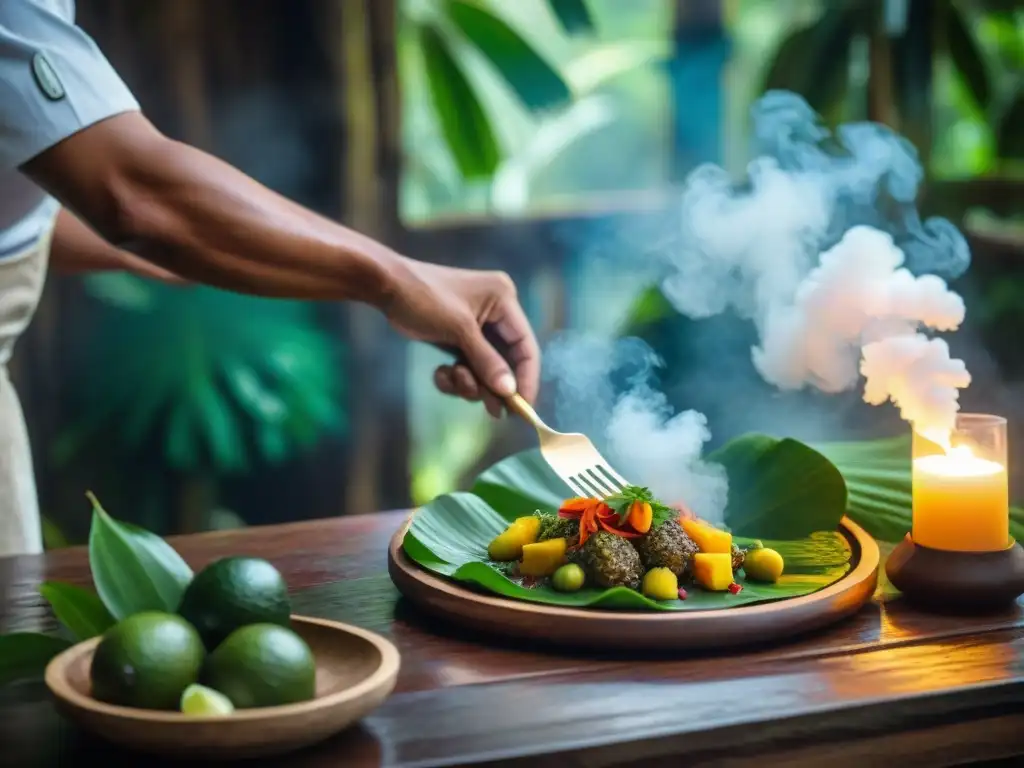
623	500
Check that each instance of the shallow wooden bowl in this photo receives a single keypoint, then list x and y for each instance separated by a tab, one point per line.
356	670
633	631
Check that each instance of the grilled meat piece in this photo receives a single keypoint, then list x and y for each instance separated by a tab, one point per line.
667	546
610	561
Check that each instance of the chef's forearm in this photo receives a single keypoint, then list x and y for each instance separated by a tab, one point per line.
75	249
200	218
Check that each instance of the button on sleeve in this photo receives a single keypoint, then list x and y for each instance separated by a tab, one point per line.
54	81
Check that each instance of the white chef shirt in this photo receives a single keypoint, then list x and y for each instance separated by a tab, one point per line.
54	82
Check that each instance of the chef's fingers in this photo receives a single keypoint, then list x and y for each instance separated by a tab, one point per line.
443	379
522	350
466	385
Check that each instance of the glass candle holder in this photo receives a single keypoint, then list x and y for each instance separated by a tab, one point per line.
961	494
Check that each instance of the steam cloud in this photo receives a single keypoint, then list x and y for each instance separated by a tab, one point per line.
604	388
822	248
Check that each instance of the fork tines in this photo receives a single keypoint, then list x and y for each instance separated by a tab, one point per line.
598	480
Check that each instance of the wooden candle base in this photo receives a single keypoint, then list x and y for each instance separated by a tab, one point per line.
957	582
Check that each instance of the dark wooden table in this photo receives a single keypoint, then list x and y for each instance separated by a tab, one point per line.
888	685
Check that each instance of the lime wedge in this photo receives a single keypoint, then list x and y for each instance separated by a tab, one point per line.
205	702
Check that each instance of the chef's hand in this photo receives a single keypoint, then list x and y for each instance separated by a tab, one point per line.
449	307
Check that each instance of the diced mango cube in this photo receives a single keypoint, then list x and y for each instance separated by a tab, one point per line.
509	544
713	570
543	558
530	526
707	538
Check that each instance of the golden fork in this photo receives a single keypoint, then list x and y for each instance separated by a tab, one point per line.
571	455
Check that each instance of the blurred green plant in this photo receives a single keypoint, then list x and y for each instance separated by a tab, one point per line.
908	43
444	28
53	536
218	381
497	118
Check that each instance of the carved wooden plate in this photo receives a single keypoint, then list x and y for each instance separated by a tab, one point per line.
635	630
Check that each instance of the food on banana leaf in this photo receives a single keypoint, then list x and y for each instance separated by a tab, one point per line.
543	558
629	540
713	570
763	564
661	584
667	546
611	561
508	545
707	537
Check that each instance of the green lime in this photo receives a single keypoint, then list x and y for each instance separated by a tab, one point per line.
202	701
262	665
568	578
235	592
146	661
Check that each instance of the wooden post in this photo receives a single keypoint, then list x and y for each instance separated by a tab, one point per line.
365	62
697	112
913	72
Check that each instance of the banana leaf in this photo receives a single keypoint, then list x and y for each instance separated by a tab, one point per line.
785	487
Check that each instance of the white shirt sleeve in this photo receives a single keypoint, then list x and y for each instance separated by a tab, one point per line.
54	81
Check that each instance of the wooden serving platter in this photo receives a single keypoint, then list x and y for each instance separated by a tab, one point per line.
635	630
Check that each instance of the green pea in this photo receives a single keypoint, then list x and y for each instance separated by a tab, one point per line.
568	578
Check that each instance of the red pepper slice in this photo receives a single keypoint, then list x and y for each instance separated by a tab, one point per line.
619	531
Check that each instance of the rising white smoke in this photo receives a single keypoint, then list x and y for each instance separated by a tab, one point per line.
822	248
635	425
860	312
799	249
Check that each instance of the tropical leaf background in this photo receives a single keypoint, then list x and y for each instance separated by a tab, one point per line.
525	136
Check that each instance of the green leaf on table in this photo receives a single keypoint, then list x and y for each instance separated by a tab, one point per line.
537	83
466	127
967	56
787	494
573	15
80	610
24	655
779	489
134	570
